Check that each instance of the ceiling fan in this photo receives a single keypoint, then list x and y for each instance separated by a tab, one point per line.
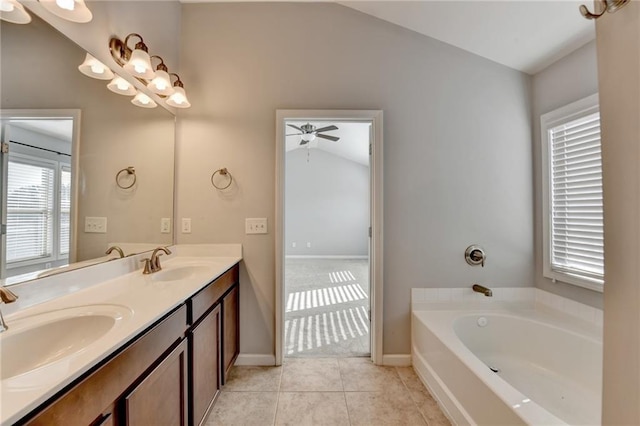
308	133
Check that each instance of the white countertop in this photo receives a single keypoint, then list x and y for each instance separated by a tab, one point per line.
139	300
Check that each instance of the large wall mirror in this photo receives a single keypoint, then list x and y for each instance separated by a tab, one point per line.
67	138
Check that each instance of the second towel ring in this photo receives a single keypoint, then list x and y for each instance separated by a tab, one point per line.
130	171
222	172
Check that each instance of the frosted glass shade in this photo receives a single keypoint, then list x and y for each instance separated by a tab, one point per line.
161	84
93	68
121	86
143	101
139	65
12	11
178	99
74	11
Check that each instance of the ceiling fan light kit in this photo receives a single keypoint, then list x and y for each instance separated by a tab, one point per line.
309	132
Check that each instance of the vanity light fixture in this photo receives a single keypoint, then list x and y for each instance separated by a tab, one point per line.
12	11
71	10
93	68
139	63
121	86
161	83
179	98
143	101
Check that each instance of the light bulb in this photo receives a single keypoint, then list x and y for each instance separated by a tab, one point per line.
161	84
97	68
121	86
6	6
143	101
178	99
66	4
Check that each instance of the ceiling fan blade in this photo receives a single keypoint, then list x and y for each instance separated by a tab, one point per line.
295	127
326	129
331	138
295	134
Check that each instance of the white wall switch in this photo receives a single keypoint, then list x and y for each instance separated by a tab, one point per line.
186	225
165	225
256	225
293	244
308	244
96	225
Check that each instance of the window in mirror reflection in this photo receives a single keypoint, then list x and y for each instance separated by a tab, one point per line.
38	203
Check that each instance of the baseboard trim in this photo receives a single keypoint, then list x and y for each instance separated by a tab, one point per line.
256	359
398	360
310	256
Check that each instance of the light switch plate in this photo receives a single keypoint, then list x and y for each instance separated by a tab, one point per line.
255	225
165	225
186	225
95	225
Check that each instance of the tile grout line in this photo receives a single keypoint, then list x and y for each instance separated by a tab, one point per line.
275	412
344	392
415	404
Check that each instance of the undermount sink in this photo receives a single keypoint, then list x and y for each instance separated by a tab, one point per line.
42	340
179	272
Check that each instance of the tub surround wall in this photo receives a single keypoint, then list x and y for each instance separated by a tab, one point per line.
447	185
571	78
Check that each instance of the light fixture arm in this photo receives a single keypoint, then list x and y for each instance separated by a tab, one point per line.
605	6
161	66
139	45
178	82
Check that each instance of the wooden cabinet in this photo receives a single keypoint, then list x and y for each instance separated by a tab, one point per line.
161	398
230	332
170	374
205	362
97	398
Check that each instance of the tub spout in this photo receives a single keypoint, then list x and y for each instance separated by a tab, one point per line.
482	289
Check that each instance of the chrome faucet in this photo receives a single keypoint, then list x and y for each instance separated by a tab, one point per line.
7	296
482	289
116	248
153	265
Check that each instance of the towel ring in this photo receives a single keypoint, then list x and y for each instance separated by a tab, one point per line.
130	171
222	172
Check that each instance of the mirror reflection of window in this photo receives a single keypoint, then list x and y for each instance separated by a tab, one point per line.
38	203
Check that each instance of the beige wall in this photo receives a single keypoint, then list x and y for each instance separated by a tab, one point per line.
571	78
114	134
618	41
457	146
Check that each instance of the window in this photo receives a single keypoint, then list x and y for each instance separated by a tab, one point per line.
38	206
572	195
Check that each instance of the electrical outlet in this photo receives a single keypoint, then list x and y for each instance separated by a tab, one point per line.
186	225
165	225
95	225
256	225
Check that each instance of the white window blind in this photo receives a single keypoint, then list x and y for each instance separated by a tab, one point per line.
30	205
574	240
65	209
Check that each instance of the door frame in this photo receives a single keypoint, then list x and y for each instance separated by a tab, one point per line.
376	211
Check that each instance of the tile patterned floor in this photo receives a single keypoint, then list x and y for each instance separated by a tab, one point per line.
325	391
326	307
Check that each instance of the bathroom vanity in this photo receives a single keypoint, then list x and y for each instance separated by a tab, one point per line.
168	371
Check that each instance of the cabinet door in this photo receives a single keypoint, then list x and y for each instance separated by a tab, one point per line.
160	399
205	360
230	324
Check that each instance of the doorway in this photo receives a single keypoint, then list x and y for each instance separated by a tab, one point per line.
328	234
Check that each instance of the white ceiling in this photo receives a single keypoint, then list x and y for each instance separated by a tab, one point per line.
58	128
524	35
353	144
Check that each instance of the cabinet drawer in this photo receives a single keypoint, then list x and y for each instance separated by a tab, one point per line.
208	296
84	402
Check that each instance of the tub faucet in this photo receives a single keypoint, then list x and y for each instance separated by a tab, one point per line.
6	296
116	248
482	289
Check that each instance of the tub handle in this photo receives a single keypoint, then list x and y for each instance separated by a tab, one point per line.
474	255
